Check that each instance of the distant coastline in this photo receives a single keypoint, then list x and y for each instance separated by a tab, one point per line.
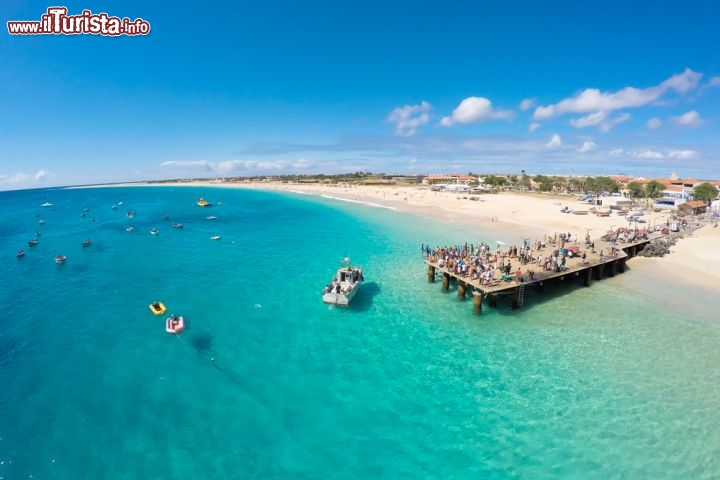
695	260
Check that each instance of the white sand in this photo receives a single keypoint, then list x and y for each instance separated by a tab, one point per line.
694	260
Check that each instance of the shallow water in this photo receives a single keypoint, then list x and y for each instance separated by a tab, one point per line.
608	381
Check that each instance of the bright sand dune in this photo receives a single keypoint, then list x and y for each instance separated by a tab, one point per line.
694	260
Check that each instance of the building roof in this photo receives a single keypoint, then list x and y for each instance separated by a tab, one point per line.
693	204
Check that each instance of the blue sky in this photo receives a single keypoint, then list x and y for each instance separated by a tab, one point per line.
246	88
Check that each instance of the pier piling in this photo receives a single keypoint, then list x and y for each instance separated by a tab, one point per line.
477	302
492	300
597	272
516	298
461	290
431	274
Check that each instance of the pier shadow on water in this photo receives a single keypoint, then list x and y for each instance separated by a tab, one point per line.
536	295
364	298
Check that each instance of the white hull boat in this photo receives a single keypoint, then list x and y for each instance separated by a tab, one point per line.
344	285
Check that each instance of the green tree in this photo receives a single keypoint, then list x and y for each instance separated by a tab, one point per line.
636	189
545	184
653	189
525	182
577	185
595	185
608	185
494	181
705	192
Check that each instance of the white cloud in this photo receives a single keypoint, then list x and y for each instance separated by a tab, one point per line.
648	154
616	152
554	142
682	154
27	178
527	104
408	118
654	123
589	120
609	124
682	82
600	119
587	146
714	82
236	166
189	164
534	126
475	109
689	119
593	100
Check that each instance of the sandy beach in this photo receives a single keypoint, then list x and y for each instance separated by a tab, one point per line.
695	260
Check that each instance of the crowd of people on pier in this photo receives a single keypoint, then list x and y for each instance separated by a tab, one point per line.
492	266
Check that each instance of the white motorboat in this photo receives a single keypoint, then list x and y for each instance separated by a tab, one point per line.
344	285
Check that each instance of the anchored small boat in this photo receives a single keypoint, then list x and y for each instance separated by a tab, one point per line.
130	229
211	217
20	253
215	237
46	204
177	225
60	259
86	243
174	324
203	203
344	285
157	307
154	231
32	243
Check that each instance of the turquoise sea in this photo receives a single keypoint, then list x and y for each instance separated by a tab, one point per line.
610	381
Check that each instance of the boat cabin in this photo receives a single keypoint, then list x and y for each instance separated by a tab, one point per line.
347	274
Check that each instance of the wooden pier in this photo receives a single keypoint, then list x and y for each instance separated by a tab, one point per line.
595	267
